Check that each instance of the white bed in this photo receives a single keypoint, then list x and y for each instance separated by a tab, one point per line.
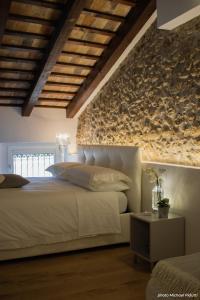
56	225
175	278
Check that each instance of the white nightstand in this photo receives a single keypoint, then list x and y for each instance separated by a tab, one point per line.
153	239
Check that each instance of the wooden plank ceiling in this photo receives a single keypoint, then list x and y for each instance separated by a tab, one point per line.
54	53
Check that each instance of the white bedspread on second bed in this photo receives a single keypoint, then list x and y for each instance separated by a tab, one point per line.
53	211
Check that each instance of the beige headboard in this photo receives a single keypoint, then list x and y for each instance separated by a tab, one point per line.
122	158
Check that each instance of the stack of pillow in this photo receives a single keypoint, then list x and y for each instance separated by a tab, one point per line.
94	178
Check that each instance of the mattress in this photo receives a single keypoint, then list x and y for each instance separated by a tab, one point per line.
52	211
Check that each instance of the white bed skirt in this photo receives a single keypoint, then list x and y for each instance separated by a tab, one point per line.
76	244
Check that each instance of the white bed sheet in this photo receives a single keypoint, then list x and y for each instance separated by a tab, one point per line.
50	211
53	184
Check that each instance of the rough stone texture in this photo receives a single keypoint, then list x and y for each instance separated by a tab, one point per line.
153	99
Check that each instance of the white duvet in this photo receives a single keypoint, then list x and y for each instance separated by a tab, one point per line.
50	211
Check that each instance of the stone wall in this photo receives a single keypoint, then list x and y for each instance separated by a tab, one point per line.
153	99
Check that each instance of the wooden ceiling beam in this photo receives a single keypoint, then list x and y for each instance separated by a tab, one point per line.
13	89
75	76
17	80
136	18
16	71
14	84
70	14
68	98
22	49
4	98
12	98
125	2
63	84
44	92
26	35
4	11
79	66
53	100
19	69
80	55
17	60
89	29
57	99
106	16
86	43
51	106
11	104
34	20
42	3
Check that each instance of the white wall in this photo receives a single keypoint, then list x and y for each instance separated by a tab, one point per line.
41	127
173	13
182	187
3	158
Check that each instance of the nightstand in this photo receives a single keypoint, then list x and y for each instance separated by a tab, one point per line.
153	239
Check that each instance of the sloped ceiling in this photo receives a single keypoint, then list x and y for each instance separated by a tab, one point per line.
54	53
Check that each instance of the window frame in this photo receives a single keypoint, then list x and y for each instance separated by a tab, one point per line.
30	148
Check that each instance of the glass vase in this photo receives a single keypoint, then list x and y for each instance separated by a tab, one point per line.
157	195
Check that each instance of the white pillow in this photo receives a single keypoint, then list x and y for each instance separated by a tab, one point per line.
59	168
97	178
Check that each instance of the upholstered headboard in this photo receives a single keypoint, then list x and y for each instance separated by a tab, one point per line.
122	158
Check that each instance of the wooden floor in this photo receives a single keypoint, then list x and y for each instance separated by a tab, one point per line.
102	274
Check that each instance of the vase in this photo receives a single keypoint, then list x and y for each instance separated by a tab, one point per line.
157	195
163	212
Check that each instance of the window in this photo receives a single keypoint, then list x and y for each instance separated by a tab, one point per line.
31	160
32	165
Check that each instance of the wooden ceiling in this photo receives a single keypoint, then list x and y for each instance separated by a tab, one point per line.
54	53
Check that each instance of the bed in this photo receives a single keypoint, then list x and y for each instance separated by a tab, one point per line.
43	203
175	278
